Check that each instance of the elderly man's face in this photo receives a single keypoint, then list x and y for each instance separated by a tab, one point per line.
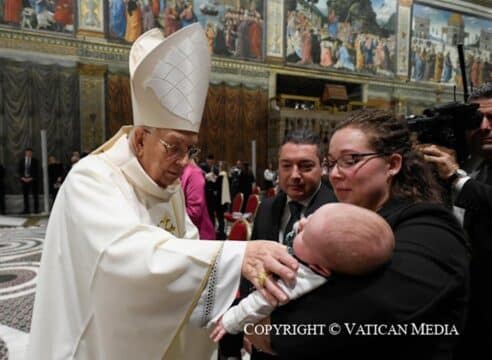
163	153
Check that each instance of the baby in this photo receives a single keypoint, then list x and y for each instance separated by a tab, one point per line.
339	238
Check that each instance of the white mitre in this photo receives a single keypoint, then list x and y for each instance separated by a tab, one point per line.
169	78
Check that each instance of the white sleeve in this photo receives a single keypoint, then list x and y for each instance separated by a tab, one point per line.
255	307
216	298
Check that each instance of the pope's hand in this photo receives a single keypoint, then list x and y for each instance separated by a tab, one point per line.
263	258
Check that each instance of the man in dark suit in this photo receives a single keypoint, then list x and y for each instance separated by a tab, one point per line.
301	193
472	192
301	190
28	170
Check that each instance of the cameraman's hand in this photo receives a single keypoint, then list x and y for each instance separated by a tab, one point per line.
442	157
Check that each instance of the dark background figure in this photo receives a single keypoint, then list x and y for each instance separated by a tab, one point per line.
2	189
246	181
28	171
212	188
55	176
234	177
471	188
270	177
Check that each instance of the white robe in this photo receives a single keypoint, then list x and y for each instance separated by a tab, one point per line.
119	274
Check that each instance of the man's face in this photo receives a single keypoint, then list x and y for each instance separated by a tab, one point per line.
163	153
482	137
28	153
299	170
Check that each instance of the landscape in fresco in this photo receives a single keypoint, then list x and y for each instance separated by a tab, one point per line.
434	54
354	36
234	28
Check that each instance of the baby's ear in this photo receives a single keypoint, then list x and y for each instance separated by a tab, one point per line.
321	270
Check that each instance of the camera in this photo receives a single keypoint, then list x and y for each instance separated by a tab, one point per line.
446	125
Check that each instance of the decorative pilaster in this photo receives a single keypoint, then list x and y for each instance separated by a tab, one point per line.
91	18
403	38
92	106
275	31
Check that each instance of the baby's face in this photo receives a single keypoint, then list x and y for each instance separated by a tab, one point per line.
302	248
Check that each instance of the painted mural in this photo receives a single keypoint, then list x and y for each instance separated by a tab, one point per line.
234	28
434	55
48	15
355	36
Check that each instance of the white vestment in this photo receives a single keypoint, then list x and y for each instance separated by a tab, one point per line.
122	268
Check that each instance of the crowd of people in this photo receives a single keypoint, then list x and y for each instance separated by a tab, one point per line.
123	275
30	179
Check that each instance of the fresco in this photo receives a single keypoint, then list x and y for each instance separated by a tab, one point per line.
234	28
434	55
43	15
354	36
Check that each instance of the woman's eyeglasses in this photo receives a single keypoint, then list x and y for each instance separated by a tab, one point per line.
348	160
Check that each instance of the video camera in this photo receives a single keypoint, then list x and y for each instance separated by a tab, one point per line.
446	125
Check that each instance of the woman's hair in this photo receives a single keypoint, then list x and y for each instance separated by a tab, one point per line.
389	134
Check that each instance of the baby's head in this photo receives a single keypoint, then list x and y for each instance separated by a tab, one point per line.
344	238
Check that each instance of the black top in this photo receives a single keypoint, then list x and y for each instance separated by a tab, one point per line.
426	281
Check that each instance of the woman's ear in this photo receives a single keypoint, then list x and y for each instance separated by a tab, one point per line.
394	164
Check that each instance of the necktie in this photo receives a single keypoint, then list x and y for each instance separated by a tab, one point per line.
295	214
27	169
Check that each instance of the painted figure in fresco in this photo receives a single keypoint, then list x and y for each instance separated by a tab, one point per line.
368	47
133	21
439	65
187	16
210	34
306	58
156	7
326	54
447	70
255	34
332	24
474	72
359	55
117	18
64	15
12	11
171	20
147	16
430	64
219	46
242	47
344	58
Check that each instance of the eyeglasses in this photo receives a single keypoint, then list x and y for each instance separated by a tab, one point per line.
179	153
348	160
176	152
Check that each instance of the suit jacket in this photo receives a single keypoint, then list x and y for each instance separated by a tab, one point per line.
269	215
476	198
34	170
426	281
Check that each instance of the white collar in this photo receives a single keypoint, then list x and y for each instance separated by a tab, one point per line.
121	156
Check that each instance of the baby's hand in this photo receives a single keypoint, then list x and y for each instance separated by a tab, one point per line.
218	332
